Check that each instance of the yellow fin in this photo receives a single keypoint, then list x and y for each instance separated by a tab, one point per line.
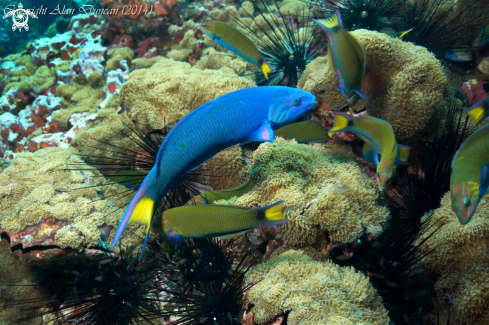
404	153
405	33
340	122
274	212
265	69
143	212
331	134
477	113
330	22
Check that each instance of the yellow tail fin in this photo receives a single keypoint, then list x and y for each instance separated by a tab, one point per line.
265	69
143	212
405	33
340	122
274	212
404	153
330	22
477	113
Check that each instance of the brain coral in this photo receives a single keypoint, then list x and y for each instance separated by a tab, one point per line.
315	293
323	188
461	259
169	90
39	190
404	83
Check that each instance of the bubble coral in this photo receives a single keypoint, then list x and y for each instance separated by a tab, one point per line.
169	90
314	292
323	188
461	257
404	83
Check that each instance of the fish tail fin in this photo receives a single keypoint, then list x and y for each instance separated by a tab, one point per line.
404	154
405	33
478	111
140	210
174	237
265	68
330	22
273	214
342	122
359	93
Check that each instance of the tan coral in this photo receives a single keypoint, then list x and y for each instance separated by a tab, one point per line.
315	293
460	259
212	59
323	188
41	184
116	55
246	9
169	90
404	83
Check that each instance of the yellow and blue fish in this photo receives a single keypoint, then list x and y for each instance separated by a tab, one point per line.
392	33
221	221
470	174
379	140
229	37
346	57
479	111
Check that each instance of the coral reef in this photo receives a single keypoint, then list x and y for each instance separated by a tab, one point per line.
404	83
43	203
161	95
323	188
460	258
314	292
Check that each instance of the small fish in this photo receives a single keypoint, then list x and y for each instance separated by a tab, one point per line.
306	131
221	221
229	37
346	57
393	33
479	111
379	139
212	196
469	181
483	38
242	116
460	53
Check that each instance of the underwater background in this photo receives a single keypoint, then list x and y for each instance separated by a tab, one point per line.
244	162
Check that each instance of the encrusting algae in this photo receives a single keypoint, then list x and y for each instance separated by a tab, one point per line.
315	293
323	189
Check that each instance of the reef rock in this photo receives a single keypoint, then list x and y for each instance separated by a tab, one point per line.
314	292
404	83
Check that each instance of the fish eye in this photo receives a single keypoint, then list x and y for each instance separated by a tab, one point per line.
466	202
297	102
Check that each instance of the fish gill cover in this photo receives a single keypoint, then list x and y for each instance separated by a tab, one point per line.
88	97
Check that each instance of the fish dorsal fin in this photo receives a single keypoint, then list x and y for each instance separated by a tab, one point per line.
358	50
233	235
404	154
264	133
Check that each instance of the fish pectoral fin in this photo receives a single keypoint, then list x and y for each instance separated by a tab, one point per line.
233	235
264	133
478	110
370	154
265	68
404	154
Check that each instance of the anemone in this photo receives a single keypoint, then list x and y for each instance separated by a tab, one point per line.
288	43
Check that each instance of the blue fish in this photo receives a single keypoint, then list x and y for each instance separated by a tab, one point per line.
239	117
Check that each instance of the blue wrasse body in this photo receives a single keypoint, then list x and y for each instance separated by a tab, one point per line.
242	116
346	57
